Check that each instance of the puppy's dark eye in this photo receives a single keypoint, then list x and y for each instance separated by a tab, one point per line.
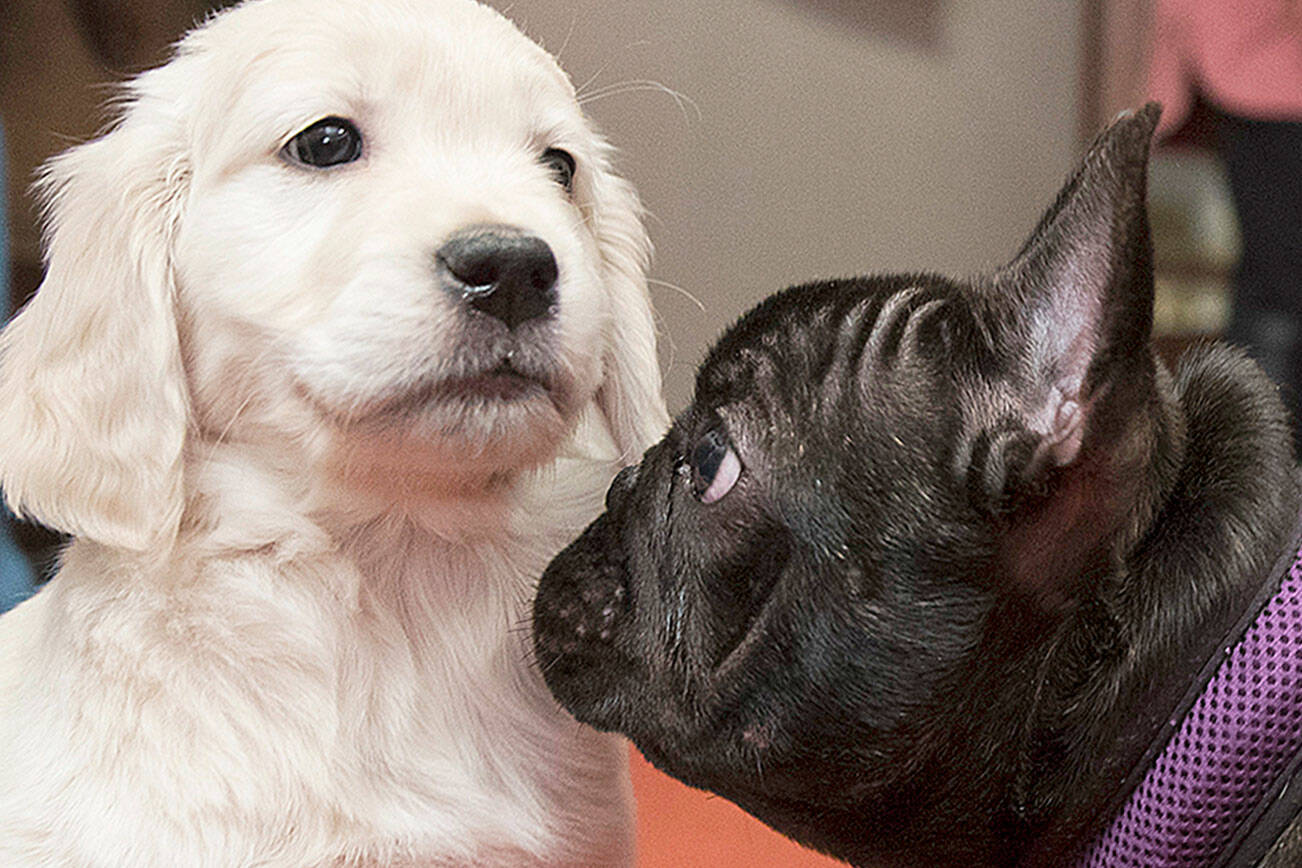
562	166
715	467
328	142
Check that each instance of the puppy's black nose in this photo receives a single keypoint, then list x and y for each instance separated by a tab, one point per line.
502	272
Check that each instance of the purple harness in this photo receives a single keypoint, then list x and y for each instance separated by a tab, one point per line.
1224	785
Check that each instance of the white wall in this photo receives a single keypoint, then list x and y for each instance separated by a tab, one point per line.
822	138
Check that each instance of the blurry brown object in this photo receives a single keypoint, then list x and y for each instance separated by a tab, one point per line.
127	33
56	58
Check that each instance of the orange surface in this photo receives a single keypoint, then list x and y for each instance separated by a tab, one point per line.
679	827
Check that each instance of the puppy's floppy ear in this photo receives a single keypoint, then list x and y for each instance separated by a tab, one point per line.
630	394
1077	303
93	407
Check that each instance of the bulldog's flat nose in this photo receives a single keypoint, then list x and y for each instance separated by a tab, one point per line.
502	272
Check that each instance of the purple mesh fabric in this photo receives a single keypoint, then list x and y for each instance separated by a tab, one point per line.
1236	739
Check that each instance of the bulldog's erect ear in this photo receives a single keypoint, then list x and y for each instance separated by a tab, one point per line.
1082	290
1074	311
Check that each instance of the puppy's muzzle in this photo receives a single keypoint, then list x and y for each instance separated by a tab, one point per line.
501	272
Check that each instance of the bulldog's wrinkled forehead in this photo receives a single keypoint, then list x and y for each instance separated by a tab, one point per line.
810	349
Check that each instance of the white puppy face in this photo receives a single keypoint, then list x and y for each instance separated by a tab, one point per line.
292	216
448	119
330	278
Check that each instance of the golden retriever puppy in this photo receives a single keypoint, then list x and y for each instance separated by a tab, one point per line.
344	333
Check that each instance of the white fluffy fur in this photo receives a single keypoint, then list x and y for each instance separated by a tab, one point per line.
284	636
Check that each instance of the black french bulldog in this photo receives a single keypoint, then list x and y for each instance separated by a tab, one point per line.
909	578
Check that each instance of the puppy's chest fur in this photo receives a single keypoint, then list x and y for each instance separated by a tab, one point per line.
347	698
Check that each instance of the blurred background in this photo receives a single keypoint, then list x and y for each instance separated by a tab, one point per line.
773	141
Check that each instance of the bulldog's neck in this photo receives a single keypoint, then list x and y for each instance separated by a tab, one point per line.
1020	770
1123	659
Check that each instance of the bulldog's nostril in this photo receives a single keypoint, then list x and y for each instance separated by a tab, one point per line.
502	272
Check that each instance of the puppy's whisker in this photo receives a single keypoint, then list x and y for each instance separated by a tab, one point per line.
581	89
588	216
230	423
584	223
680	99
566	41
239	411
678	289
665	335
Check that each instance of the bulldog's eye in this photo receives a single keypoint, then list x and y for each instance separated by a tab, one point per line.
715	467
329	142
562	166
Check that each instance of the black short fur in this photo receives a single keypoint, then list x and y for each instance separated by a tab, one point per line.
977	522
